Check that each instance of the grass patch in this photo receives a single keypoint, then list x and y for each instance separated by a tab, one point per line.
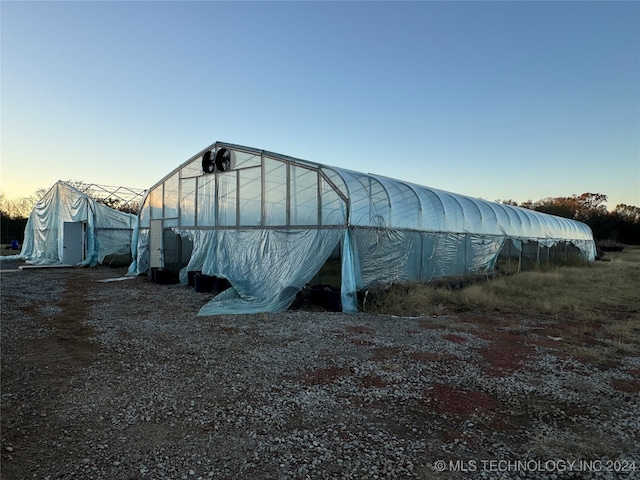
600	292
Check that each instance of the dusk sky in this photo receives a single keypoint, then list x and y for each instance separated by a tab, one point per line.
498	100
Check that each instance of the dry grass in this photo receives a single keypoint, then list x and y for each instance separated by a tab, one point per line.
624	330
594	292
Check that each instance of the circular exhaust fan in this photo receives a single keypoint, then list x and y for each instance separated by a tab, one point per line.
208	162
225	160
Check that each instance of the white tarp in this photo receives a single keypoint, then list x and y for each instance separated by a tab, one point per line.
105	231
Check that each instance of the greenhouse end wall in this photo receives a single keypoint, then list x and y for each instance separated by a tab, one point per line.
105	232
268	222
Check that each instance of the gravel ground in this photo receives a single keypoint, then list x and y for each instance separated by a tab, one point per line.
121	380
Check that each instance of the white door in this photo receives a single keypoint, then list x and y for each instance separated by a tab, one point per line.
72	243
155	244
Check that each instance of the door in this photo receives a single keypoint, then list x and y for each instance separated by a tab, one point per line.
72	243
156	257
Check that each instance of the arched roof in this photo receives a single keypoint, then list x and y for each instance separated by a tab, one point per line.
376	200
379	201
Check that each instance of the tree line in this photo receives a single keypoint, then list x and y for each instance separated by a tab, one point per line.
622	225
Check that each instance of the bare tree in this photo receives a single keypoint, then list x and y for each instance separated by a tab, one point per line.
18	207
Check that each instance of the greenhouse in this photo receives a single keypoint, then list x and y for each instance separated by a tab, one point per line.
71	225
271	225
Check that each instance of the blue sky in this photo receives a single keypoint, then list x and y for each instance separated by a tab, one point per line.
498	100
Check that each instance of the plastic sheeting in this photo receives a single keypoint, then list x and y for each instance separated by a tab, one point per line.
270	222
263	266
105	231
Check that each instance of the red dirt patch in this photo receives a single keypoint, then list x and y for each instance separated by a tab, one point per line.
506	352
452	337
385	353
324	376
372	381
452	434
69	344
448	399
629	386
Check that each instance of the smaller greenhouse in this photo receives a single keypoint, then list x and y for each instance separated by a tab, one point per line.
71	225
270	225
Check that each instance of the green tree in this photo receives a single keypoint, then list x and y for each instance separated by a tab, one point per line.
626	224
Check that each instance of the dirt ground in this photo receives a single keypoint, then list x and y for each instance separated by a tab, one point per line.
122	380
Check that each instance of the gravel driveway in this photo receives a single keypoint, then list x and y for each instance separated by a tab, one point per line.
121	380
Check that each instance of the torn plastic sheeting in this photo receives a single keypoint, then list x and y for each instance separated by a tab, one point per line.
141	259
133	268
267	268
484	252
587	249
230	302
350	275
